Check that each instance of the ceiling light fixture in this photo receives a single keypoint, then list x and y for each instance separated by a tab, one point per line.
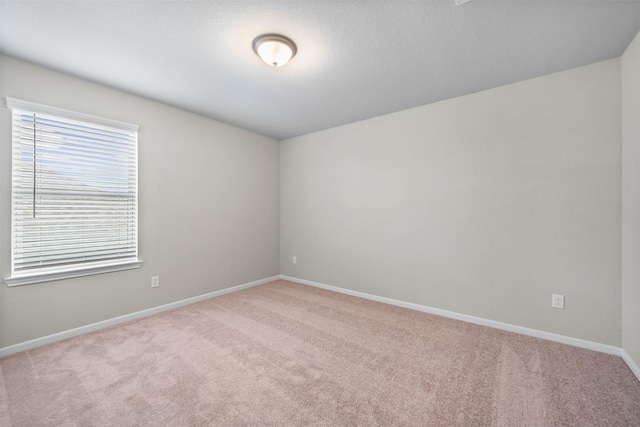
274	49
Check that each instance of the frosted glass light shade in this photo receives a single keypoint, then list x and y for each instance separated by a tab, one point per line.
274	49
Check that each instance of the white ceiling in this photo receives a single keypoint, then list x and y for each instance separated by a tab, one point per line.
356	59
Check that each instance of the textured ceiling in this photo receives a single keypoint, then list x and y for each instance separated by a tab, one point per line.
355	60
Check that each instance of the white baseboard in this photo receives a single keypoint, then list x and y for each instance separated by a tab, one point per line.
576	342
28	345
630	363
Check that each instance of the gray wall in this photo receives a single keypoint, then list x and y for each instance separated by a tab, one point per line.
484	204
631	200
208	209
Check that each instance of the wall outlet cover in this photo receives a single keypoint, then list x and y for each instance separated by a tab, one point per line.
557	301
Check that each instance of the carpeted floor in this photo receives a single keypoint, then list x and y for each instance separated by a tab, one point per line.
287	354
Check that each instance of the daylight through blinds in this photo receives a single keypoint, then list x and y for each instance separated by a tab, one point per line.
74	187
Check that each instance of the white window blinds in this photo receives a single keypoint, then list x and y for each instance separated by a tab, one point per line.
75	192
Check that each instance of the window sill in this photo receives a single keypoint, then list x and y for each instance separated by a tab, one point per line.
30	278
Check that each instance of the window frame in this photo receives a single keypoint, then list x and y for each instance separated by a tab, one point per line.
78	269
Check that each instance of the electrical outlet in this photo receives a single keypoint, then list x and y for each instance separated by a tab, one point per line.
557	301
155	281
294	260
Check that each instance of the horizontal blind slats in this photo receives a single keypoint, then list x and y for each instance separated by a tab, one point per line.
85	178
38	265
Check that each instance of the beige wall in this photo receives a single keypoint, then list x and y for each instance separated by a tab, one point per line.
208	209
484	204
631	200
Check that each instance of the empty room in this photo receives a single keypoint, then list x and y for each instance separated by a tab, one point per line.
372	213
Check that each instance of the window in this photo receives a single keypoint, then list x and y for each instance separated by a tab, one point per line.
74	194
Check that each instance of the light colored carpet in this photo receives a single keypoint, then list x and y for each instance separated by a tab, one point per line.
287	354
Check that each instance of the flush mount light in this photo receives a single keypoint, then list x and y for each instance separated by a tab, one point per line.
274	49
